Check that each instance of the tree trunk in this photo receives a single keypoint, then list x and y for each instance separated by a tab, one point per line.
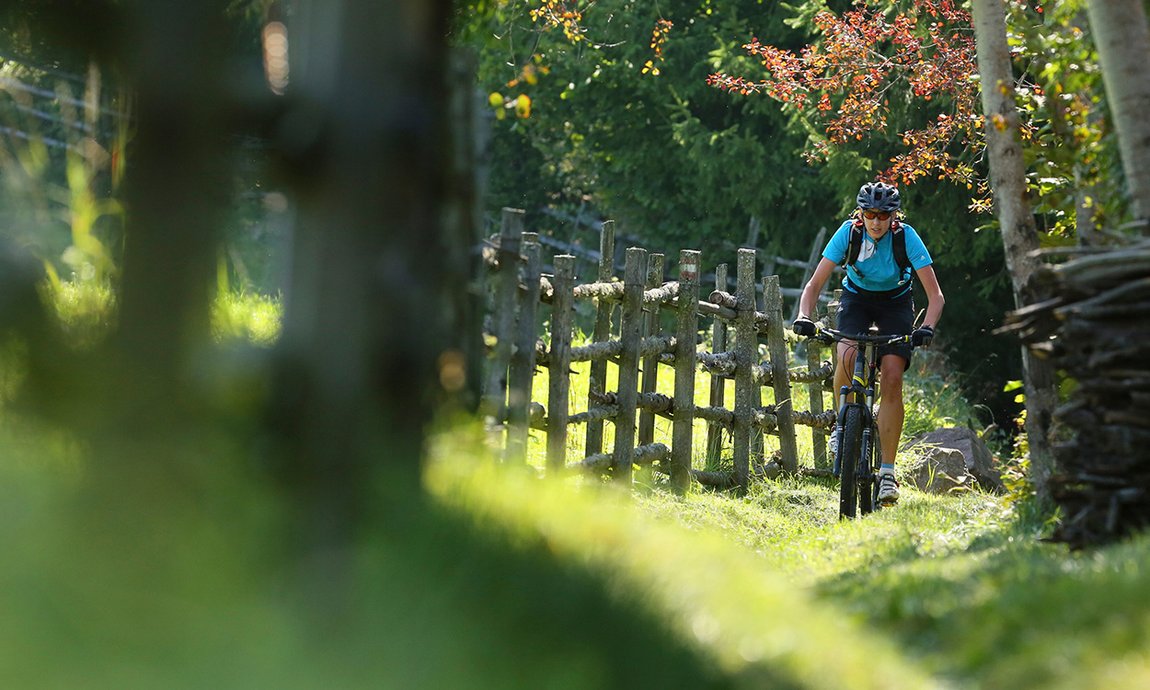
365	306
175	187
1019	233
1123	41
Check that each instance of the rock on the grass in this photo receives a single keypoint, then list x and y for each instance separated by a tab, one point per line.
950	458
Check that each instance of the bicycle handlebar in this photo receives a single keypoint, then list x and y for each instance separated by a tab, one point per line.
828	335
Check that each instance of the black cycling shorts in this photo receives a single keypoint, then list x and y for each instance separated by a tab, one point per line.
858	311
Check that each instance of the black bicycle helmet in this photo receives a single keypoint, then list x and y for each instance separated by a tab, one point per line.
879	196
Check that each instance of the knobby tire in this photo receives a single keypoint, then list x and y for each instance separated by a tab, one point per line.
849	452
874	455
868	487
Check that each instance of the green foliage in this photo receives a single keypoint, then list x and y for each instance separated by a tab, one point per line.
1069	142
673	161
63	135
933	399
66	137
173	575
66	34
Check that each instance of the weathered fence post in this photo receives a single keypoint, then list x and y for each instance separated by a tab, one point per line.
496	394
630	333
597	382
682	436
780	378
651	362
746	349
523	358
718	383
814	359
559	380
757	432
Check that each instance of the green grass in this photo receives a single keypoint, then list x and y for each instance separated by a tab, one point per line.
957	590
85	310
247	317
942	591
510	580
932	402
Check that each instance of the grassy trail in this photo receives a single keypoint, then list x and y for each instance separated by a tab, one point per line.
953	591
941	591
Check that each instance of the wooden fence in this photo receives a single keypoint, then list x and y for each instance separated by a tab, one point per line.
639	349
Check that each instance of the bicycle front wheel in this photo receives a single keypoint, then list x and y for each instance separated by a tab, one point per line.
849	462
868	474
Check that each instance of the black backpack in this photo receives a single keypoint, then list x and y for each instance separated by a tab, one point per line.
898	246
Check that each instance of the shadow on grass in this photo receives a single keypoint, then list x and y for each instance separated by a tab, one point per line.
157	580
1008	610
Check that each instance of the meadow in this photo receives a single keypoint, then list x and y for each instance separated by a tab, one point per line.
769	589
953	590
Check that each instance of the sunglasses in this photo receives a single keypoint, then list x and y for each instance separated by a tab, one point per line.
881	215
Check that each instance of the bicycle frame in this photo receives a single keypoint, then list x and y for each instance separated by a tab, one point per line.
856	464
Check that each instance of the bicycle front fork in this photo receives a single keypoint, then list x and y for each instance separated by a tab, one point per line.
863	468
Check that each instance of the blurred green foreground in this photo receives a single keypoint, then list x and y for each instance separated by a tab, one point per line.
496	578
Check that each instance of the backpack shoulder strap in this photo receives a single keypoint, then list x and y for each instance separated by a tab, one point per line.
898	245
855	245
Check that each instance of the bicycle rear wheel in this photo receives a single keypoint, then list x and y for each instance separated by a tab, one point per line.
849	462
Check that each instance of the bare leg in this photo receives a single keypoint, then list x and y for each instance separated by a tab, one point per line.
892	412
844	369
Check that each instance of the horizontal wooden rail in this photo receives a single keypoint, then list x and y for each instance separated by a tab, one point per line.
637	306
642	455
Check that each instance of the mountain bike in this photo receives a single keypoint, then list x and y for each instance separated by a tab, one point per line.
857	461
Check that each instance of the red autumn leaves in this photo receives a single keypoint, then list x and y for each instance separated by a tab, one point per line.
871	62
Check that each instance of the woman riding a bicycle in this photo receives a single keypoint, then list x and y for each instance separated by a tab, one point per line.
881	255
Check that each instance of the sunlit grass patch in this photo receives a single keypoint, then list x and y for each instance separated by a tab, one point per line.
85	309
245	316
952	590
717	593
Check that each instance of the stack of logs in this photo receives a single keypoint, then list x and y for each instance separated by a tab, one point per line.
1092	319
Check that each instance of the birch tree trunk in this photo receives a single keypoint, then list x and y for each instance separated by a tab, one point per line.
1123	41
1019	232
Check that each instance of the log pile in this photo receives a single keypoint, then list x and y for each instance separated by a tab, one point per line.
1092	319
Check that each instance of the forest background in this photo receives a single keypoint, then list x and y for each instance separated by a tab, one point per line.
612	109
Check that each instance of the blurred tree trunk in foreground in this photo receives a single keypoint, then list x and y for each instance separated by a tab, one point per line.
177	184
363	139
364	144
